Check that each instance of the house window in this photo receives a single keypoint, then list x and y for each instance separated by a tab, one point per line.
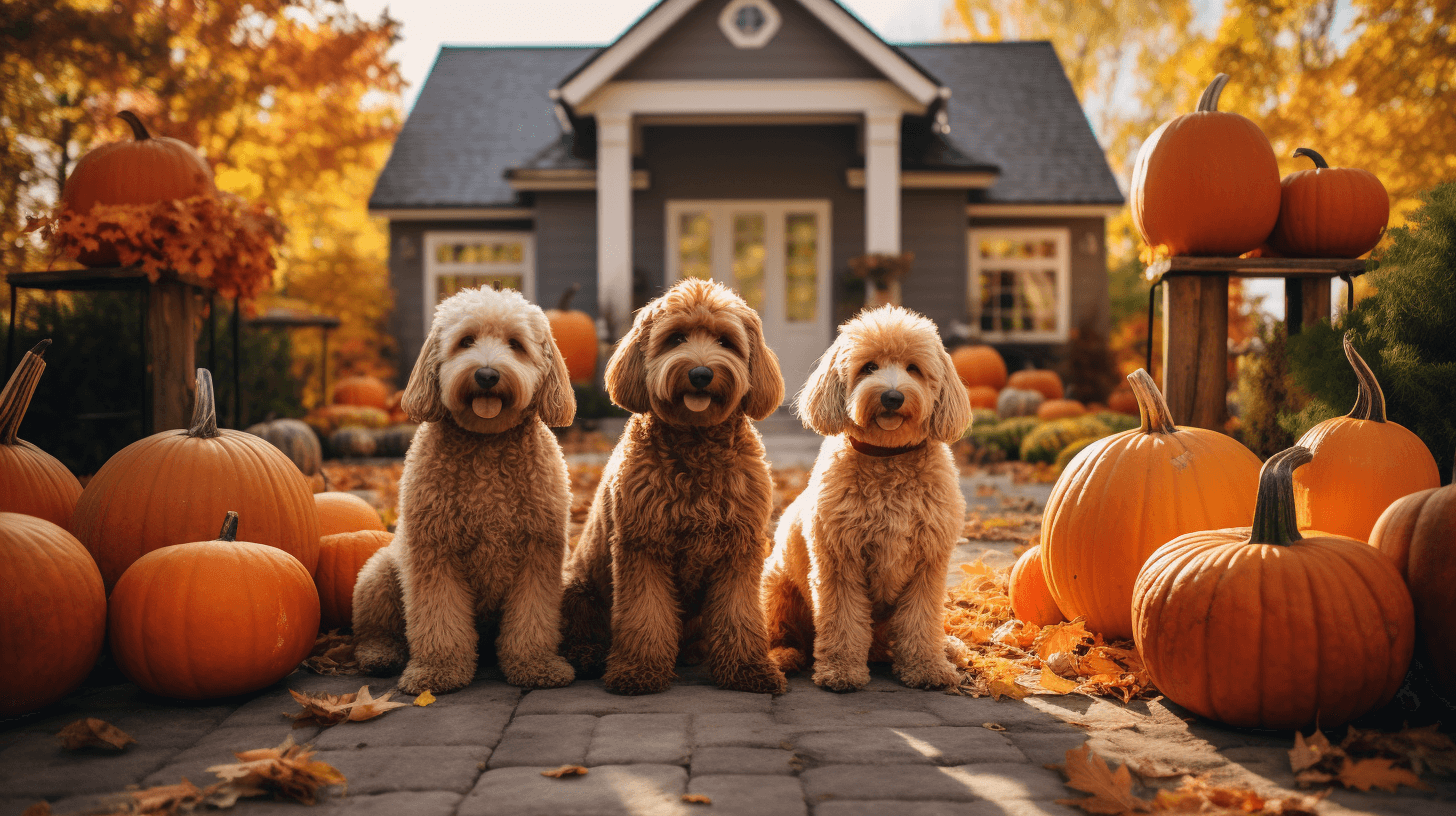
1020	284
749	23
468	260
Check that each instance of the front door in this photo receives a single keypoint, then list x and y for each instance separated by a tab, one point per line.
775	254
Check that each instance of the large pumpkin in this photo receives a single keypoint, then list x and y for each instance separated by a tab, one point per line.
213	619
35	483
1126	495
1031	601
341	556
1206	183
1330	212
1361	464
52	613
168	488
1418	533
1040	380
363	390
1258	627
142	171
575	334
297	441
980	365
341	512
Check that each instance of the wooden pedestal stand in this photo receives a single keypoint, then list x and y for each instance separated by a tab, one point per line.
1195	321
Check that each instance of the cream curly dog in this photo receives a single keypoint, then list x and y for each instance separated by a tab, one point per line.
679	525
483	505
860	556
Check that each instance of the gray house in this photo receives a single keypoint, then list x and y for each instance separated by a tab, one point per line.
763	143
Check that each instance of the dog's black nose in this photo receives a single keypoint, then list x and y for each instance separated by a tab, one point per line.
700	377
486	377
892	400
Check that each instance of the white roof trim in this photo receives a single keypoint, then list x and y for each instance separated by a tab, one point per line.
745	96
609	62
1043	210
452	213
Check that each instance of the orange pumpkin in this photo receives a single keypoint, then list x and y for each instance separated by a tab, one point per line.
1330	212
361	390
1418	533
162	490
980	365
341	556
982	396
1258	627
1122	400
143	171
1206	183
36	483
1362	463
1060	409
52	613
575	334
1126	495
340	512
1044	382
213	618
1031	601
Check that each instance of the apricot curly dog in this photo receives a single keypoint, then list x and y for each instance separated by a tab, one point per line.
679	524
860	556
484	502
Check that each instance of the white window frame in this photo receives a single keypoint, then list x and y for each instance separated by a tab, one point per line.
771	23
433	268
1063	238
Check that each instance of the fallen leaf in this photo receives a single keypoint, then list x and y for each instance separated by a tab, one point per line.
38	809
696	799
1061	637
1153	767
1307	753
993	726
565	770
93	733
1054	683
1364	774
330	709
1111	791
333	654
425	698
287	772
166	798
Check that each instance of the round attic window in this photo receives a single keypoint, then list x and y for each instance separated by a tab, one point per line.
749	23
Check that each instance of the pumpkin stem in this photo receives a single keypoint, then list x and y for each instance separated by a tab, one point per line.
565	303
138	129
1209	100
229	527
1319	161
204	411
1156	415
15	398
1275	520
1370	401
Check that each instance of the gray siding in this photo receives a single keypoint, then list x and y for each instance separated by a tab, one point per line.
933	226
803	48
566	248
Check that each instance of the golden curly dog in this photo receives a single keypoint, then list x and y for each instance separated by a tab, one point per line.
862	552
679	524
483	505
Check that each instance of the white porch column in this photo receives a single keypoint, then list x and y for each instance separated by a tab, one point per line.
882	180
614	223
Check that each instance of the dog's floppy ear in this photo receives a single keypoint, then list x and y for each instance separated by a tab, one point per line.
555	401
950	414
765	381
421	398
821	402
627	369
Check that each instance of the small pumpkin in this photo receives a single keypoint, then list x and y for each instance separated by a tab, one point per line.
1018	402
1122	401
352	441
1330	212
1031	601
1362	463
1418	534
326	419
35	483
1260	627
1206	183
980	365
211	619
341	556
363	390
52	613
341	512
982	396
1128	494
395	440
145	170
575	334
1040	380
295	439
1060	409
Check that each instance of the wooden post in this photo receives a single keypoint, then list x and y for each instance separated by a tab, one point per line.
1306	302
174	310
1195	349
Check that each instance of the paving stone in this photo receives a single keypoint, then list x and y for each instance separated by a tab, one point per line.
898	782
751	730
1014	715
1384	804
1047	747
409	768
37	766
545	739
591	697
624	739
1005	781
611	790
744	795
832	807
476	715
817	708
414	803
270	705
740	760
170	728
217	748
933	746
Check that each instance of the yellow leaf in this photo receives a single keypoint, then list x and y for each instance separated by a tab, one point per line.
565	770
1055	683
696	799
425	698
1061	637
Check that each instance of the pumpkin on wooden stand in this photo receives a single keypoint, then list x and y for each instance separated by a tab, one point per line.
1126	495
575	334
295	439
35	483
1031	601
341	556
980	365
162	490
1259	627
341	512
52	613
1362	463
1330	212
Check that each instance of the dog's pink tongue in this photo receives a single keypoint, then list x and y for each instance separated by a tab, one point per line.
889	422
486	407
697	403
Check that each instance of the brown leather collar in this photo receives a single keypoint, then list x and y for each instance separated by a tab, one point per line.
875	450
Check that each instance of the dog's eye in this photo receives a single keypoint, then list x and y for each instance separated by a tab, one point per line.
677	339
467	341
516	345
869	368
726	343
913	369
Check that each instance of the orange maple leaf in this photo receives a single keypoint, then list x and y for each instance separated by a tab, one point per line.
1111	791
1364	774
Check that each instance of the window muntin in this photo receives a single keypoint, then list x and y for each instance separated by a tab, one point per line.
1020	282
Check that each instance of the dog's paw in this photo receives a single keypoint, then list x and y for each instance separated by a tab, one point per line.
636	680
842	678
760	678
935	673
788	659
551	671
420	677
589	659
380	655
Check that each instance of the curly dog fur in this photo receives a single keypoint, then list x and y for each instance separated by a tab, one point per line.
861	554
679	525
483	505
